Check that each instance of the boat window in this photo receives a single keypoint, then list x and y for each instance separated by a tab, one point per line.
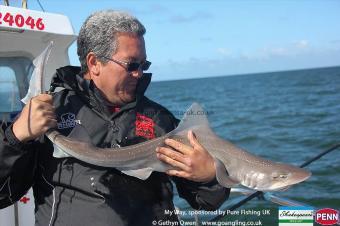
15	73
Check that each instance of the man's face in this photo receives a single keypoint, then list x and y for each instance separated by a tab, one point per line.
117	84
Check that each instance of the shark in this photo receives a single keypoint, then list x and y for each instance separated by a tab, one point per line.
234	165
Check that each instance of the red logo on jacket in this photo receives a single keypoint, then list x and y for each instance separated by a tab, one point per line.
144	126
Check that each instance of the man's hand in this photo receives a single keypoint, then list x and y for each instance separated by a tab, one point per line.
193	163
35	118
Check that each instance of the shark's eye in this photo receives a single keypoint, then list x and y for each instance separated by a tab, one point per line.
283	176
278	175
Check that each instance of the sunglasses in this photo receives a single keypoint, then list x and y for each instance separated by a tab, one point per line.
132	66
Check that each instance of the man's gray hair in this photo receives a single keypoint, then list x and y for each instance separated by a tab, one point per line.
99	33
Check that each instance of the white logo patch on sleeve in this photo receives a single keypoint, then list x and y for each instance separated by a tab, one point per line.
68	120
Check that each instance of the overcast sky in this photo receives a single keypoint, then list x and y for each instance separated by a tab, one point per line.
202	38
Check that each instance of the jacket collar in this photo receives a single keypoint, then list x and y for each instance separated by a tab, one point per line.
69	78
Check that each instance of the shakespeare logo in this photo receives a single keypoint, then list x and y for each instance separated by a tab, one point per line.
295	216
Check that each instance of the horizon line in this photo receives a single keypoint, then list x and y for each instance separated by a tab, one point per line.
250	73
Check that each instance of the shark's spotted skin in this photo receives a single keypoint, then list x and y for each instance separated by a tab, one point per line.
233	165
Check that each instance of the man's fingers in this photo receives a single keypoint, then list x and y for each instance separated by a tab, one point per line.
36	118
42	101
44	97
178	146
42	115
49	114
52	123
192	161
174	155
174	160
193	140
178	173
46	121
41	105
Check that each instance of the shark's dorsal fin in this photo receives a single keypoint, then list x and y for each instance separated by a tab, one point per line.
195	116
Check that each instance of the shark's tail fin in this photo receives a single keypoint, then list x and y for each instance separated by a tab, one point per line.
36	83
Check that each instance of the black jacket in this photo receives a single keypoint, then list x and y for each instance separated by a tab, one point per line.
70	192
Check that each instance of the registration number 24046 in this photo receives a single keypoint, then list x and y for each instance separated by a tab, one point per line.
20	21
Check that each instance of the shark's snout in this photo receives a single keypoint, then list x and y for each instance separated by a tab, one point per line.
288	176
300	175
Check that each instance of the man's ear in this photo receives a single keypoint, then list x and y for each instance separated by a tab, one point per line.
93	64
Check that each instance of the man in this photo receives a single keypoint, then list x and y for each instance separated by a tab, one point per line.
107	97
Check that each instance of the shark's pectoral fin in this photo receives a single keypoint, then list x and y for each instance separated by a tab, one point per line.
222	175
58	152
142	174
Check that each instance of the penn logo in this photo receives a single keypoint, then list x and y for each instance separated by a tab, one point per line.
327	216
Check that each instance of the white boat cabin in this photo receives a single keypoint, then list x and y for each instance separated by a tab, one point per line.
24	34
